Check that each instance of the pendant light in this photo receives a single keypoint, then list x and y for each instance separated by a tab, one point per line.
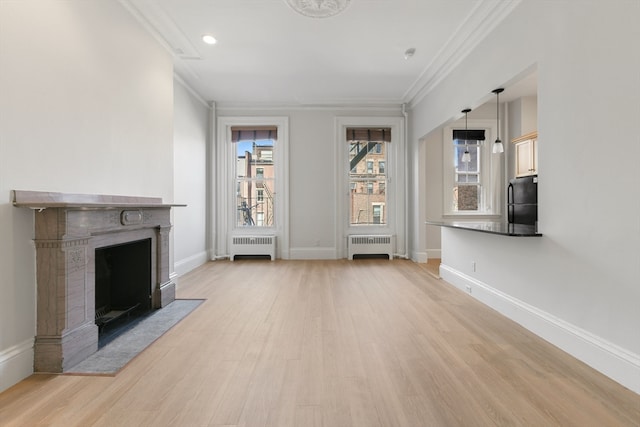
497	146
466	156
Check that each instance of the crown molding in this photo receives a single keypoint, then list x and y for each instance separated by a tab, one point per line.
137	14
153	19
337	106
161	26
480	22
191	90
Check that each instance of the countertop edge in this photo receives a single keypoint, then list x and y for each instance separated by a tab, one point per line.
500	229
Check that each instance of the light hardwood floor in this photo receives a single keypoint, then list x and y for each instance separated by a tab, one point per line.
433	266
331	343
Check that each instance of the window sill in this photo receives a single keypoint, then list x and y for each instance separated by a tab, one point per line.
471	215
253	230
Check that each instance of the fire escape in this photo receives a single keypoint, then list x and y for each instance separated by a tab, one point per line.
267	202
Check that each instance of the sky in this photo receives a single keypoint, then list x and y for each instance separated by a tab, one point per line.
243	146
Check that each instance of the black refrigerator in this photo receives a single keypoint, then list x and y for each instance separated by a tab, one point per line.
522	200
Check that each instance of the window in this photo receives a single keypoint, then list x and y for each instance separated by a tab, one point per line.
370	165
469	185
243	145
255	176
367	147
378	213
384	211
266	155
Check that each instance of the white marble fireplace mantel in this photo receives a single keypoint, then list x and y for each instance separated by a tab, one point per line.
68	230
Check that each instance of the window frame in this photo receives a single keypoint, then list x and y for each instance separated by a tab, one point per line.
367	180
253	184
489	171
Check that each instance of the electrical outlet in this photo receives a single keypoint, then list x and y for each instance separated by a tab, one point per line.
468	289
473	266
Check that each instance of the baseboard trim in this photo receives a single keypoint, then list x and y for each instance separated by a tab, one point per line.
194	261
16	363
313	253
419	257
434	253
610	359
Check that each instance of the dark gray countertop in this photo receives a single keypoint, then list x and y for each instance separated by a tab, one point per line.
493	227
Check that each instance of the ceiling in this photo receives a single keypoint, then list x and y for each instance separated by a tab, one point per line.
268	54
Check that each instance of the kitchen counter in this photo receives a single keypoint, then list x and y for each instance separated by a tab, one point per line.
492	227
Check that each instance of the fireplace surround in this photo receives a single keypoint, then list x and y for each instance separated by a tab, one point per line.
68	230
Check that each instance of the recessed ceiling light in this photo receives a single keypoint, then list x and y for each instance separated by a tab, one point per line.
209	39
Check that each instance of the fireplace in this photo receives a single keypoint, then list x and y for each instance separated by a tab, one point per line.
122	282
82	241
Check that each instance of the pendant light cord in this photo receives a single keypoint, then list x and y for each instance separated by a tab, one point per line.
466	156
497	146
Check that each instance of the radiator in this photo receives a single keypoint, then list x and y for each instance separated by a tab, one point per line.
370	245
253	245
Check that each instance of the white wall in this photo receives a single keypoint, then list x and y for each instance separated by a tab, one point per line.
190	134
433	190
523	116
523	119
578	285
311	181
86	107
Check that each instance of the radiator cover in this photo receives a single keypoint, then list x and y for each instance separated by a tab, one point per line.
360	244
253	245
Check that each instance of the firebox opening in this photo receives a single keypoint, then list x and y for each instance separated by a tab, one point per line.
122	283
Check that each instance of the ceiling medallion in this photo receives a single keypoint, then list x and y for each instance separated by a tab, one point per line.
318	8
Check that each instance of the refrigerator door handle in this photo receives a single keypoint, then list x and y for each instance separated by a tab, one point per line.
510	203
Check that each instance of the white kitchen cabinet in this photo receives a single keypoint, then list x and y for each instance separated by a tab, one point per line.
526	154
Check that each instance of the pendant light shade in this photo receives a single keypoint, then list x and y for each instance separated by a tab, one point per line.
497	145
466	156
